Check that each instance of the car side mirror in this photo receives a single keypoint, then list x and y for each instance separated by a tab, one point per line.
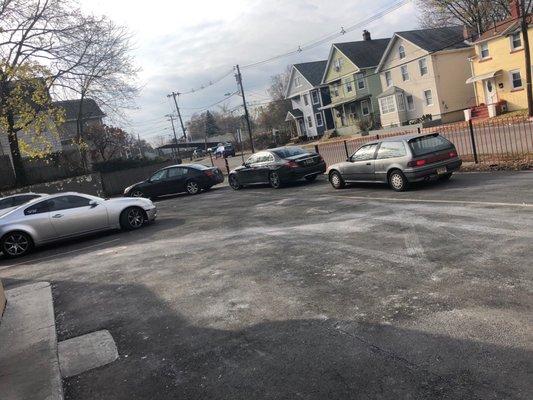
93	203
244	165
349	159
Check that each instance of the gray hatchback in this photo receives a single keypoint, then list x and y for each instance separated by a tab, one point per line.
398	161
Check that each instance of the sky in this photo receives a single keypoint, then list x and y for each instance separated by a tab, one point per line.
181	45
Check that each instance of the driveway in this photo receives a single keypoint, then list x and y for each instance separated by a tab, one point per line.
308	293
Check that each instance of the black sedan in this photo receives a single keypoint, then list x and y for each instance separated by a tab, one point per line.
190	178
277	167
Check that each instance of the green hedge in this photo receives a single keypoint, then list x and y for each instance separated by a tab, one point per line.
119	165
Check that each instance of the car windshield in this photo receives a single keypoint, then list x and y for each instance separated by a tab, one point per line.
287	152
6	203
428	144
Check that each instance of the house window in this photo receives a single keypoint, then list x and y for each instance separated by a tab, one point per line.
401	51
309	121
484	50
388	78
516	78
387	105
315	97
410	102
336	89
428	96
401	102
405	73
360	78
306	100
338	64
423	64
365	107
516	41
319	120
297	82
348	85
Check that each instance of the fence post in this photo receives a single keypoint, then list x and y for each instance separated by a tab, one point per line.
473	140
419	130
316	149
346	149
377	136
227	165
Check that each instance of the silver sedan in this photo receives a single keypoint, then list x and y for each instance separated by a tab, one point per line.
66	215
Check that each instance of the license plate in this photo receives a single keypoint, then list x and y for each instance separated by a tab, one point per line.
309	162
441	171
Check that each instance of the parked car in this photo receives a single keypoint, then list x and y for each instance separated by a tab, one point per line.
198	152
65	215
398	161
277	167
9	203
190	178
224	150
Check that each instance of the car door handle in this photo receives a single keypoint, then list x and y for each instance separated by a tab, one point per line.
57	216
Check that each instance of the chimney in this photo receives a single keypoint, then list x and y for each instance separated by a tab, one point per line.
515	8
366	35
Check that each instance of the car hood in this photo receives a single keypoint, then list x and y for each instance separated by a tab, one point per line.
129	200
6	211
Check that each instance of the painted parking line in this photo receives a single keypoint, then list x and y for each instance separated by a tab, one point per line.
437	201
37	260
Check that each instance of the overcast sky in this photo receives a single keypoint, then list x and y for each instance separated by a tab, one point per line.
180	45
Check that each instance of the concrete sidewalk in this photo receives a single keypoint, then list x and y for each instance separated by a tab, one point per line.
29	367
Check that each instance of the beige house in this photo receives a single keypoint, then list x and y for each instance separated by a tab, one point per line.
423	74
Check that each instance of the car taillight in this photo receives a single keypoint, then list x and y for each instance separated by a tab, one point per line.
320	158
209	173
417	163
452	154
291	164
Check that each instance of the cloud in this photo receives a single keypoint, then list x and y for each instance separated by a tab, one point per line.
182	44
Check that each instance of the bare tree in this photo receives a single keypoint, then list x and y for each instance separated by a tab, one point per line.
477	15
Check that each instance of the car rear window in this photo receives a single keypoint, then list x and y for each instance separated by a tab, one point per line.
289	152
198	166
428	144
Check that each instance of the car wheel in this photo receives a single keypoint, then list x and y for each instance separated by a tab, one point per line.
132	218
16	244
234	182
274	180
397	181
445	177
136	193
311	178
192	187
336	180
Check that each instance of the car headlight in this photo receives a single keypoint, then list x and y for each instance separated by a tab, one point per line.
128	189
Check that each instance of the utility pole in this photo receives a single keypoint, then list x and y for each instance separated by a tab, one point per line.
171	118
238	76
174	95
527	53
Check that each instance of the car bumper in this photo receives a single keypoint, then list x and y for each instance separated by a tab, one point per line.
302	172
151	214
424	173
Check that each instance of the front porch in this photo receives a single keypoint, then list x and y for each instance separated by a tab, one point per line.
352	116
488	88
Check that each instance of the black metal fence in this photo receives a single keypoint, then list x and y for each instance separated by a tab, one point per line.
484	141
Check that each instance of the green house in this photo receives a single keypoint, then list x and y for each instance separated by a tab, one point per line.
354	85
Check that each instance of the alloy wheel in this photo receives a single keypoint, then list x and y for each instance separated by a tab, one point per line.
16	244
137	193
192	187
397	181
274	180
233	182
135	218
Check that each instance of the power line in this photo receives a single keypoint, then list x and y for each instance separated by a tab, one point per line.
208	84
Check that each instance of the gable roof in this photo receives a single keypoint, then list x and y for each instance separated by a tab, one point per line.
501	28
364	53
312	71
431	40
89	109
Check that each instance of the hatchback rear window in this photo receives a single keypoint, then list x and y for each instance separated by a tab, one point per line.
289	152
428	144
199	166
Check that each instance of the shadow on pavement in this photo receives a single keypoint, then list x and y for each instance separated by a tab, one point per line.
163	356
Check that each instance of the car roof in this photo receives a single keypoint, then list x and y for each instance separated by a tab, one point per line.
183	165
284	147
402	138
23	194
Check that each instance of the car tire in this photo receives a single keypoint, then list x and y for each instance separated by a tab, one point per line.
446	177
311	178
397	181
16	244
274	180
336	180
234	182
192	187
132	218
137	193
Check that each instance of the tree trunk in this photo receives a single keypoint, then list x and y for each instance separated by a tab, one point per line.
18	165
527	54
79	135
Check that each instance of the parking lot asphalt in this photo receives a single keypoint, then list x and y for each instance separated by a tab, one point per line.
308	293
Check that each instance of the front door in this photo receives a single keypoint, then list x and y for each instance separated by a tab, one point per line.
156	184
301	124
491	97
175	180
73	215
362	164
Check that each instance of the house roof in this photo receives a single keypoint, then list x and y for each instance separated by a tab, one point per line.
312	71
436	39
390	91
89	109
365	53
294	114
501	28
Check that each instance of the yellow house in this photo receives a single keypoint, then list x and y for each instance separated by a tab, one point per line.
498	67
